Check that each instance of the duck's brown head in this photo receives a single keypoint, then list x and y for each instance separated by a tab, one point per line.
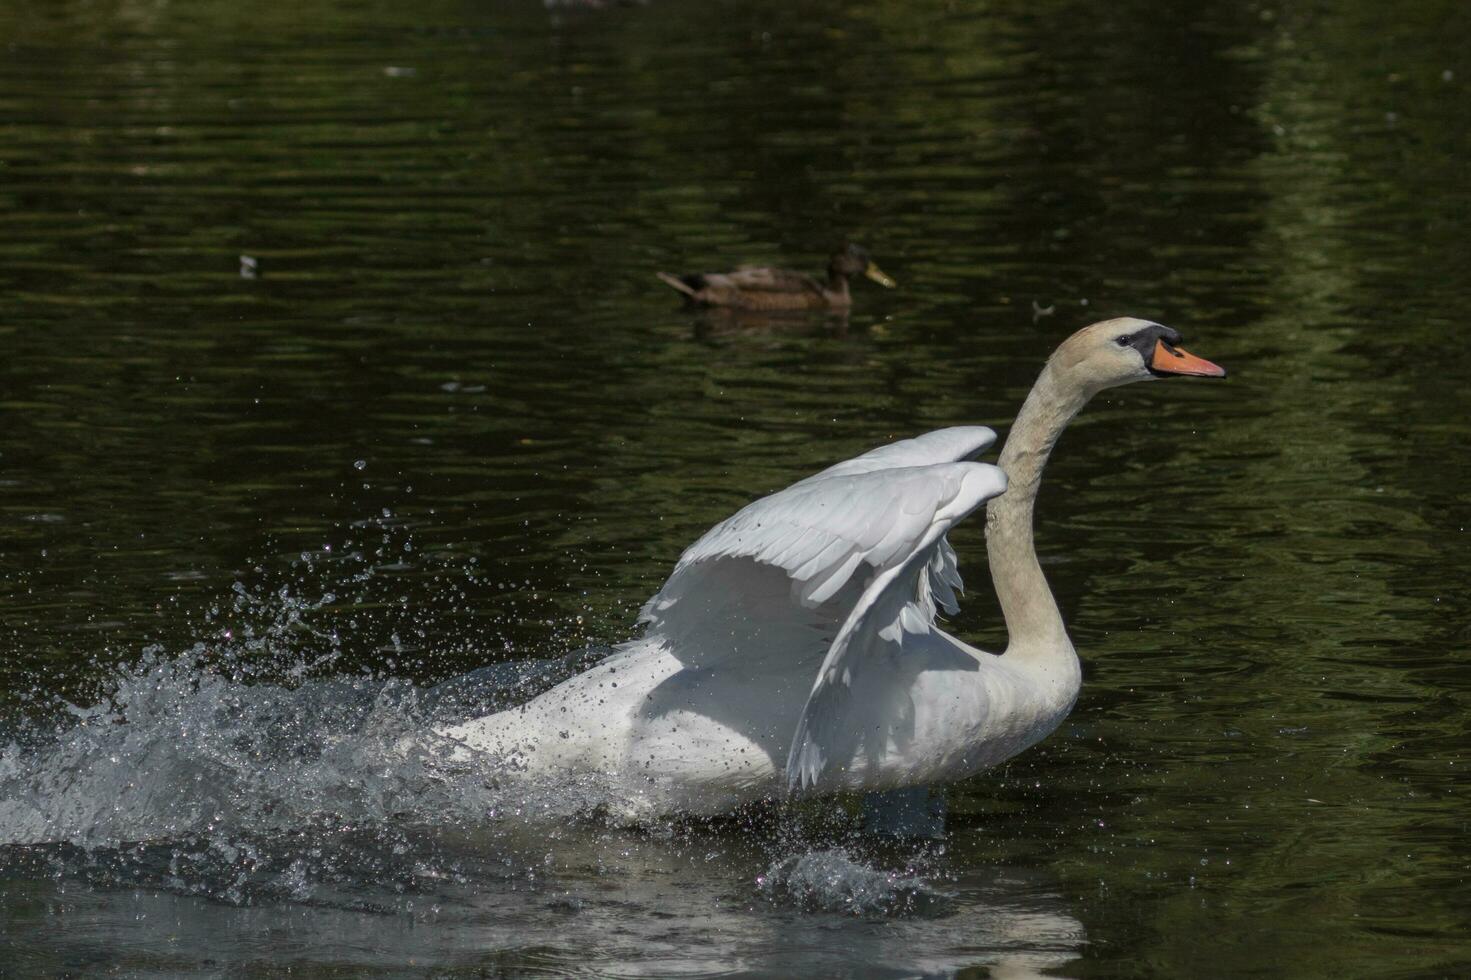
854	260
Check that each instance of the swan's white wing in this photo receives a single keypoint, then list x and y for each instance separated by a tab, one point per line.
952	445
821	531
855	703
778	578
803	529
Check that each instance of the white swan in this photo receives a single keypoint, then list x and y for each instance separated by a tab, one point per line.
794	647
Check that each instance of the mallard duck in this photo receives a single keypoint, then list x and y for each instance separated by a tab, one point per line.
765	288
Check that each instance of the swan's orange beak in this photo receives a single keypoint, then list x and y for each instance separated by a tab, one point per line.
1177	360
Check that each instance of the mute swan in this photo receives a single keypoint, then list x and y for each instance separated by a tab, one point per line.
794	646
761	288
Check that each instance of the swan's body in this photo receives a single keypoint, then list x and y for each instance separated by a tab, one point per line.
794	647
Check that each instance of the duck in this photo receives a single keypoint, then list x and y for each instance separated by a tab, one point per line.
795	650
770	289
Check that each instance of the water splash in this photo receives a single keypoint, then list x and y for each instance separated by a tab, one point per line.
834	880
249	733
246	771
179	748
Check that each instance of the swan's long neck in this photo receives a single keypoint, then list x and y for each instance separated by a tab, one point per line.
1033	623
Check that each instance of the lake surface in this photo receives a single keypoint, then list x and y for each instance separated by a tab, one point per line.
255	514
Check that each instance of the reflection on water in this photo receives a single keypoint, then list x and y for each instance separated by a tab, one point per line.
453	421
672	906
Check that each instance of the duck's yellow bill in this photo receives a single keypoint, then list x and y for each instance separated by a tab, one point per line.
877	275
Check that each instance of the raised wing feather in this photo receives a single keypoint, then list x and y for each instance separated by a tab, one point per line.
814	526
833	571
959	442
827	533
858	704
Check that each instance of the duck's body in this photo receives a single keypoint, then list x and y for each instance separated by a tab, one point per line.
774	290
794	647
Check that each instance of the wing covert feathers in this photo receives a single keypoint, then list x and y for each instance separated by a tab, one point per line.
952	445
852	689
857	553
821	532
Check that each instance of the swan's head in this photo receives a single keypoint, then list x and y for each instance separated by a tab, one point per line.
1117	352
854	260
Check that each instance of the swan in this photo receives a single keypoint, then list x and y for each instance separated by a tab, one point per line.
794	648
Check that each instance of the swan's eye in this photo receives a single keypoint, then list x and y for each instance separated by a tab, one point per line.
1122	341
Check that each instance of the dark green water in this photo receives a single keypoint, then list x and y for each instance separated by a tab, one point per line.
455	420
